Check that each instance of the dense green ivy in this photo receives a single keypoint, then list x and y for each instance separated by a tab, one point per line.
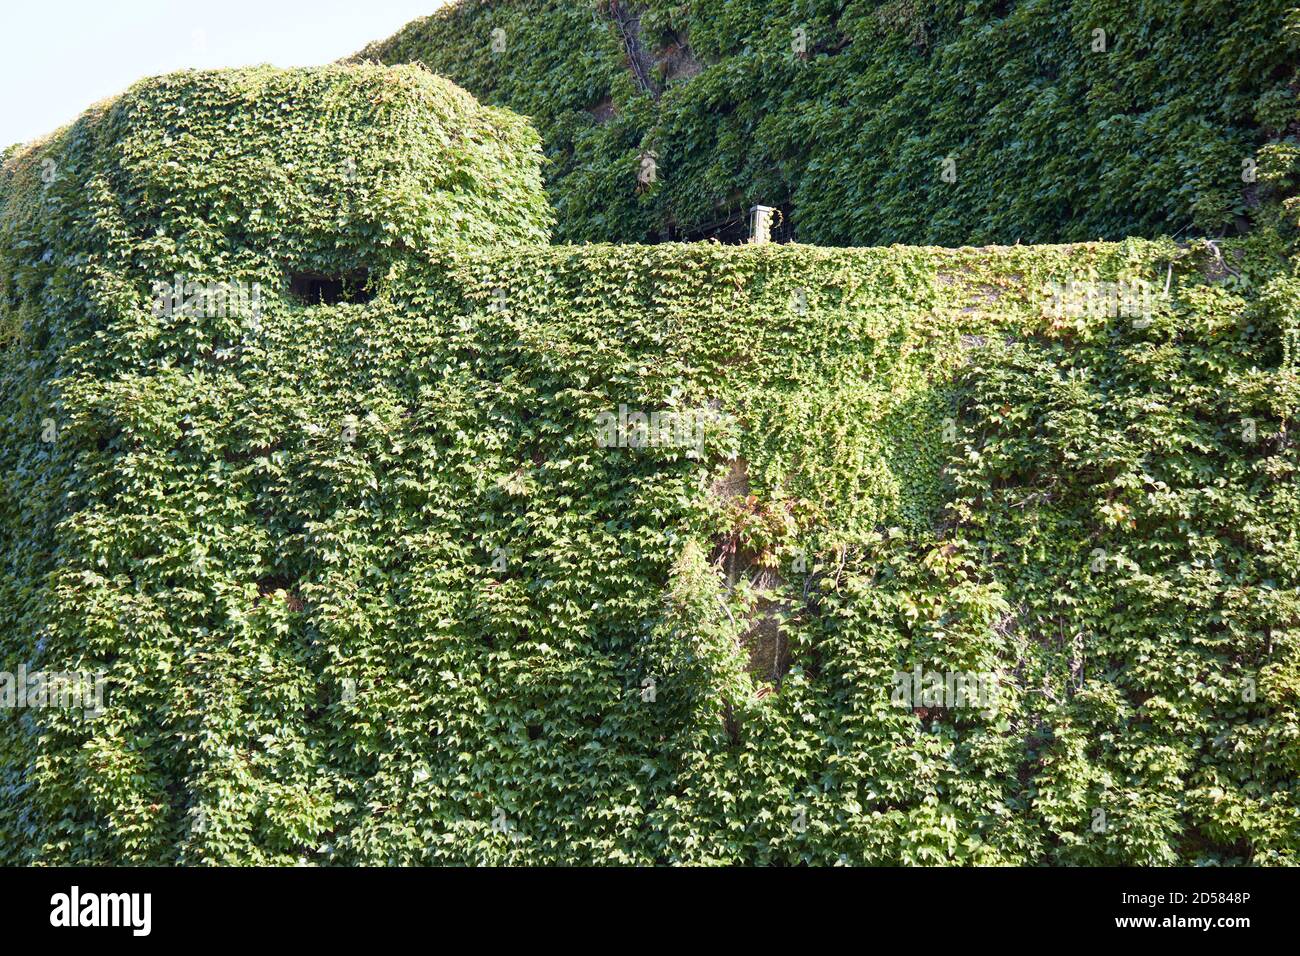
368	587
843	112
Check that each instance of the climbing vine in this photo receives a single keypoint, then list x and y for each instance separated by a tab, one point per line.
480	550
868	123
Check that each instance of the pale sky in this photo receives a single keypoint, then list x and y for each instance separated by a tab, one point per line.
59	56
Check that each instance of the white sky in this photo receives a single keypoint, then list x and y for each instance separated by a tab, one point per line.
59	56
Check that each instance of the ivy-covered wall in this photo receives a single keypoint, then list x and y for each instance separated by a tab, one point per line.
1064	121
432	543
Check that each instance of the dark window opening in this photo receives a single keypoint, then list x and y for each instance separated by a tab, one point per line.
313	288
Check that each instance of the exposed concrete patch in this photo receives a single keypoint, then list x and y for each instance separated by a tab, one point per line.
603	111
769	655
677	62
639	62
735	483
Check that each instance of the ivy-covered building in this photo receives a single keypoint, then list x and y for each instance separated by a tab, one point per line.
400	534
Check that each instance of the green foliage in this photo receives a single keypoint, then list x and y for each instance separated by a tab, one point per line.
367	587
232	177
1135	492
848	129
